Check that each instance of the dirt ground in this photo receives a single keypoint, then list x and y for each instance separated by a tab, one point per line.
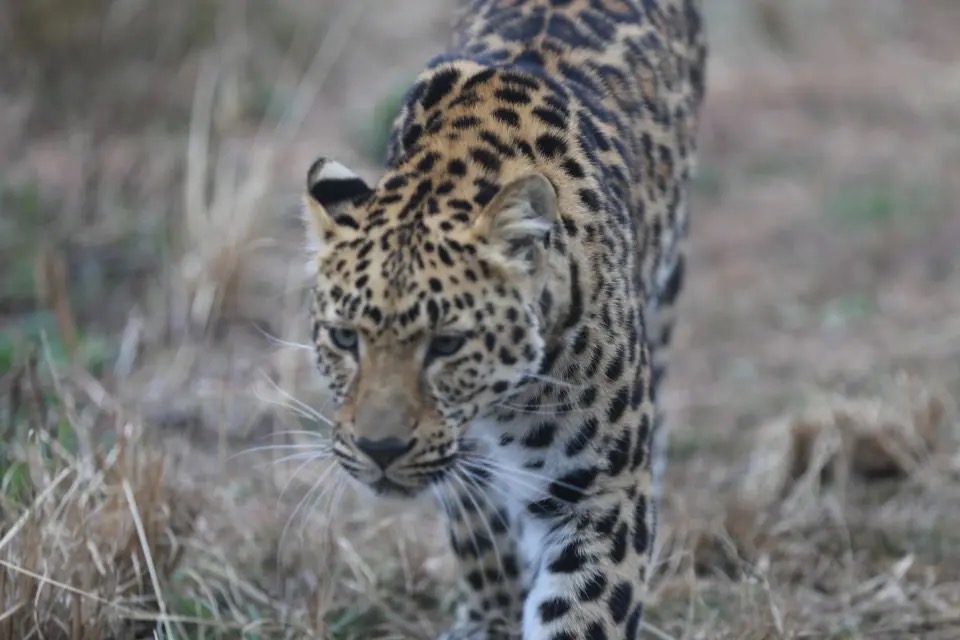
158	413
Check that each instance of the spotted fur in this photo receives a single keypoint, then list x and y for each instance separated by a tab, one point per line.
492	314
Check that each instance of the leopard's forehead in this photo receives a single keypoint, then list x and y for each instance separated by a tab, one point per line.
410	263
404	281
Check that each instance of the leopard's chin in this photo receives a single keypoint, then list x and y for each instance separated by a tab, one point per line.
388	488
387	485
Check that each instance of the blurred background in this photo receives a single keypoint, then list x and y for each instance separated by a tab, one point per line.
160	473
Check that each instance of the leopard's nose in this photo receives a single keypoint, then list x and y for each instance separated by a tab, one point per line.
386	450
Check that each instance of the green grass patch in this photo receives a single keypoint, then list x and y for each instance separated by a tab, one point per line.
708	182
778	164
375	133
354	622
23	219
37	330
878	202
844	310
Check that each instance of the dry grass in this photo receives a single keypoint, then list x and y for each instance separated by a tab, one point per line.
155	480
90	534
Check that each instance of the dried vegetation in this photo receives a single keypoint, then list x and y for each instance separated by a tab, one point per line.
159	470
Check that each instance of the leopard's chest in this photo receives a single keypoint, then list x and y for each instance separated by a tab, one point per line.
527	458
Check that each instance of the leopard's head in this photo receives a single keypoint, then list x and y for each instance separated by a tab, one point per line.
426	311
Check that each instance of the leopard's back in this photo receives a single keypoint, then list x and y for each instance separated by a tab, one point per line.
637	68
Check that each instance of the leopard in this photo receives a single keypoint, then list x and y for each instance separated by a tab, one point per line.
493	313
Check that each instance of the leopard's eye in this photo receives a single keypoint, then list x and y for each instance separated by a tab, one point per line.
344	338
445	346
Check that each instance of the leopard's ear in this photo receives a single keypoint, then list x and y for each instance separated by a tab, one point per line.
331	189
515	226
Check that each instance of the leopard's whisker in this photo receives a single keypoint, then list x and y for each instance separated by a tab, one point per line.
334	493
306	415
482	490
316	485
324	447
296	432
448	507
505	470
280	341
304	407
554	381
553	409
483	519
293	476
303	455
503	474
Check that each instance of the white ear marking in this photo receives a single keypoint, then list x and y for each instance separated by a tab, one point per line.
330	189
333	170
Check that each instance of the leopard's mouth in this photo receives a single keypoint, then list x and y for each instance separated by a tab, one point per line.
387	487
402	482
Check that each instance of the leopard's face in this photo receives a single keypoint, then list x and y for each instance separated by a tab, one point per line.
419	330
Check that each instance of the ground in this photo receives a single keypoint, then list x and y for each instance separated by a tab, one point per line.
151	290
